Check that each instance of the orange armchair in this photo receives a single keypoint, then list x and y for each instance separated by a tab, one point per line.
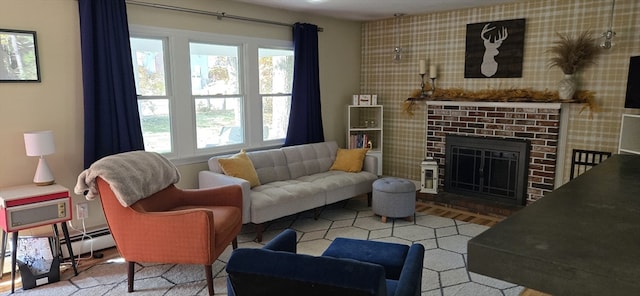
174	226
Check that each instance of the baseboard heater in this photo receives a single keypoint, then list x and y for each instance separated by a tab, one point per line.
100	238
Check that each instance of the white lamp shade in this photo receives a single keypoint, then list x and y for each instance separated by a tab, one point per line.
39	143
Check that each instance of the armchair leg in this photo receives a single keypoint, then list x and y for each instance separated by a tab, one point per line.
209	274
130	270
234	243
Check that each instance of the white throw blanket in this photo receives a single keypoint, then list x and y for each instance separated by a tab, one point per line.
132	175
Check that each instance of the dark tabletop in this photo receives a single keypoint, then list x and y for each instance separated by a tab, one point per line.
581	239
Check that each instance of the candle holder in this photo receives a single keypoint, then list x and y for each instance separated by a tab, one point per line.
433	86
422	91
427	93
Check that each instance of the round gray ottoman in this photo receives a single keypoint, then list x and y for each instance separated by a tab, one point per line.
394	197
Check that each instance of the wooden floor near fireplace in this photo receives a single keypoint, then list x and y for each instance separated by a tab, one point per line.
457	202
457	214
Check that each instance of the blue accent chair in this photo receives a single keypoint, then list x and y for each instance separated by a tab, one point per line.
277	269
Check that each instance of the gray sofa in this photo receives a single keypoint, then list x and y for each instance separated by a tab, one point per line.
293	179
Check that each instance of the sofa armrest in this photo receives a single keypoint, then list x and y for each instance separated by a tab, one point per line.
209	179
285	241
410	282
370	164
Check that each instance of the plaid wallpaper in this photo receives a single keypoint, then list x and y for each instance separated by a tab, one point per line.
440	39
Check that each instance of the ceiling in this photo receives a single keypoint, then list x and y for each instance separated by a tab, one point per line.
367	10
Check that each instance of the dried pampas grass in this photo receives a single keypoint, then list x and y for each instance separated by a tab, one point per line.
572	54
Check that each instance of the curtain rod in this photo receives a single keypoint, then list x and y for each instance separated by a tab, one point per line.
219	15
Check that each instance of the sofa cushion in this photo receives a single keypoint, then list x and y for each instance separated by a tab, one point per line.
281	198
332	180
339	185
309	159
240	166
349	160
270	165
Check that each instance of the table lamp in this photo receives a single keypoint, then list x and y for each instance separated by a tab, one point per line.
40	143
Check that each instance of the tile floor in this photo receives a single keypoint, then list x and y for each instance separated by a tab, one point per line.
444	273
445	241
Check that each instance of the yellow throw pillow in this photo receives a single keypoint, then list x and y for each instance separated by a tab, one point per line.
349	160
240	166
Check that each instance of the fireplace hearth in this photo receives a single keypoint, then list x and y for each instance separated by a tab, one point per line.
487	168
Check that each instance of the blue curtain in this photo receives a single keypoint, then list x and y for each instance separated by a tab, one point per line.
305	118
111	119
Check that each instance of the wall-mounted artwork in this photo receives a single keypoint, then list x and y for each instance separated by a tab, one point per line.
18	56
632	100
494	49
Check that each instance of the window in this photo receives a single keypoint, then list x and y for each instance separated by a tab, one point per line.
215	87
276	83
153	103
201	94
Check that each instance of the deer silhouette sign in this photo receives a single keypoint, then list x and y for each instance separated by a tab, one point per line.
489	65
494	49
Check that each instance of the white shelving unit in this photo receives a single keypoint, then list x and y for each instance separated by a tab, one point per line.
365	130
629	134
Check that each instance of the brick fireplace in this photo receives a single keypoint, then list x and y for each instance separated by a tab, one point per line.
536	122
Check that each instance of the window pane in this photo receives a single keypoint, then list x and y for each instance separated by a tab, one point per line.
148	66
275	116
276	71
276	77
219	121
214	69
156	125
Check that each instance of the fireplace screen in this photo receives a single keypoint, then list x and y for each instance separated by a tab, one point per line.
487	168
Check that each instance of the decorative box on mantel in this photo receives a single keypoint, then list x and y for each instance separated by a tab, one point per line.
429	176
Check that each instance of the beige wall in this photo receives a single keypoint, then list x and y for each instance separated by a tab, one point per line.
440	38
56	102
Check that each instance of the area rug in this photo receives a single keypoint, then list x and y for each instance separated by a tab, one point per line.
445	260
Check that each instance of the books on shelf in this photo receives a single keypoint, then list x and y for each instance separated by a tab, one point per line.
360	141
364	127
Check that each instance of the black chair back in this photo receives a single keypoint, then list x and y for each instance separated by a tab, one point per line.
583	160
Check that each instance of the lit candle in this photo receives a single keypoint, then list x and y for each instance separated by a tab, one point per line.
423	67
432	71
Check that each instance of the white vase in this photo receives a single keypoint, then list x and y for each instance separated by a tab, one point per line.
567	87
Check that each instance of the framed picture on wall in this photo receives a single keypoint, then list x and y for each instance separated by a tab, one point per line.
494	49
18	56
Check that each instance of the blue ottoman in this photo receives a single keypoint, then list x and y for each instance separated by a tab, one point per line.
390	255
394	197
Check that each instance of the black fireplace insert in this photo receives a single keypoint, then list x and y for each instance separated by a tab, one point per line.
494	169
